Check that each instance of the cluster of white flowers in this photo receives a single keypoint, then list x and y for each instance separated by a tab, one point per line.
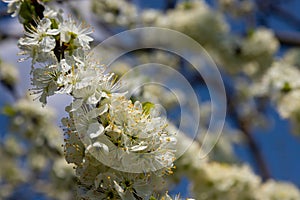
281	83
9	75
261	44
54	38
251	55
293	57
272	190
221	181
30	120
39	41
71	76
216	181
121	149
11	173
117	12
192	18
118	137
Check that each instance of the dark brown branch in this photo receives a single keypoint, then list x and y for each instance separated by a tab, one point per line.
244	126
288	38
271	7
255	151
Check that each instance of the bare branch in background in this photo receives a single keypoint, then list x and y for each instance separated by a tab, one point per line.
244	126
286	16
288	38
268	7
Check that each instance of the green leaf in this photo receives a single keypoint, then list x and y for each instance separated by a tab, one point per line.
27	12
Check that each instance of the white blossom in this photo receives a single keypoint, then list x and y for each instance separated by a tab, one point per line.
13	6
75	35
137	140
261	42
272	190
150	16
9	75
118	12
44	82
292	57
192	18
222	181
81	78
281	82
42	35
39	40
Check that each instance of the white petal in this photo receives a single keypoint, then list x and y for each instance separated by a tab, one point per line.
95	130
65	66
102	146
103	109
92	99
47	44
76	104
138	148
64	36
86	38
45	23
118	188
53	32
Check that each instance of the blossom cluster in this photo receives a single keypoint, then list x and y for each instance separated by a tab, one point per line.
281	84
8	75
121	149
116	12
216	181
